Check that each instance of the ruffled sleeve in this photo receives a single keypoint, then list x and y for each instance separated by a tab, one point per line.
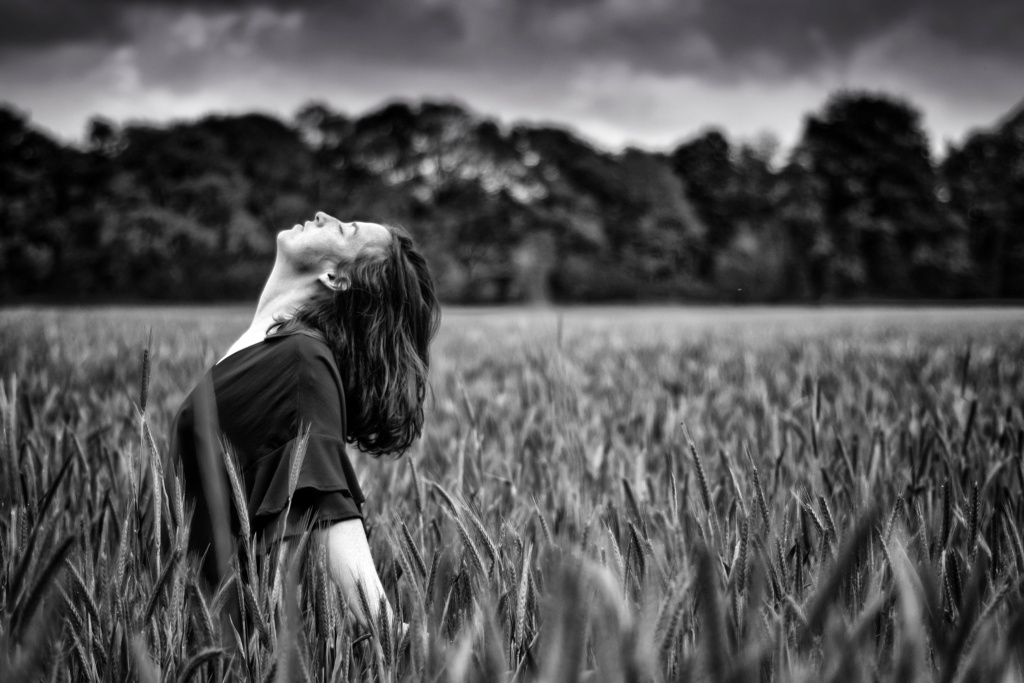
327	489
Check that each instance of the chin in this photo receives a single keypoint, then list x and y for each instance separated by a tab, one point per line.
284	242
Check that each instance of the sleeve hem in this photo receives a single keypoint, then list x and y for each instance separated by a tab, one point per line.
277	509
275	526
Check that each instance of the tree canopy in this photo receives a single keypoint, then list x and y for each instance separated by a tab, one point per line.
859	209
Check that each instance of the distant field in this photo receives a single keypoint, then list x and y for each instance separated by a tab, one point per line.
851	506
223	323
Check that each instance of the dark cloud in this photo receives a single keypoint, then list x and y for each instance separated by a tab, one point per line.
657	34
385	31
995	26
799	35
804	32
36	23
54	22
622	67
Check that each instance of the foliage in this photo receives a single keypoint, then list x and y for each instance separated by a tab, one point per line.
190	211
628	498
887	232
986	185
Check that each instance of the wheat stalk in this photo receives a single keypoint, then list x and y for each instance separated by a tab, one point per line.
157	477
413	551
449	502
492	550
474	555
521	596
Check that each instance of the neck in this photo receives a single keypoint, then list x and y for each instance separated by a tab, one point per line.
284	292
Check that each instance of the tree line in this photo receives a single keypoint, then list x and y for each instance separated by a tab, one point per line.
858	209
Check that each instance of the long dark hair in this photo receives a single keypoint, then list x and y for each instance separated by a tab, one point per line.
379	330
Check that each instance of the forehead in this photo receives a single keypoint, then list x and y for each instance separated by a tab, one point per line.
373	232
368	239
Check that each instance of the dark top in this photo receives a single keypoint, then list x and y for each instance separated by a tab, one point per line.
256	400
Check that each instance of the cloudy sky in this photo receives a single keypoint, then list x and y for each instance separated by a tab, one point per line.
645	72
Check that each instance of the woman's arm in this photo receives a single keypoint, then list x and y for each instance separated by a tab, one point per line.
349	562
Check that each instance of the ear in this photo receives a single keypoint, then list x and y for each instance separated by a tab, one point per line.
335	281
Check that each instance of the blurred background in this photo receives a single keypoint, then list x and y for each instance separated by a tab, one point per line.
538	150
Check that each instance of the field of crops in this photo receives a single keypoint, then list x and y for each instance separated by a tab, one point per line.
600	494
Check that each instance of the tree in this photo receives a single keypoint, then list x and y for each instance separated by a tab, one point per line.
986	187
809	250
33	205
666	235
889	234
190	210
705	166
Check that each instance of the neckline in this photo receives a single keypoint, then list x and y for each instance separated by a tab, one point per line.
275	335
235	353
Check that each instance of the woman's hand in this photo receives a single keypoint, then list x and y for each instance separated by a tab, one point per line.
349	563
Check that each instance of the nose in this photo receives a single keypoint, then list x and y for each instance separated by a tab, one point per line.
320	218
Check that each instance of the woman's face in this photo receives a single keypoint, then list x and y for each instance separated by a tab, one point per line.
327	240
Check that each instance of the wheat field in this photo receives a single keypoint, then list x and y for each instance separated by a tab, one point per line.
608	494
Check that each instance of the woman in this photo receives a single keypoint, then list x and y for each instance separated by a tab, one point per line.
339	345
